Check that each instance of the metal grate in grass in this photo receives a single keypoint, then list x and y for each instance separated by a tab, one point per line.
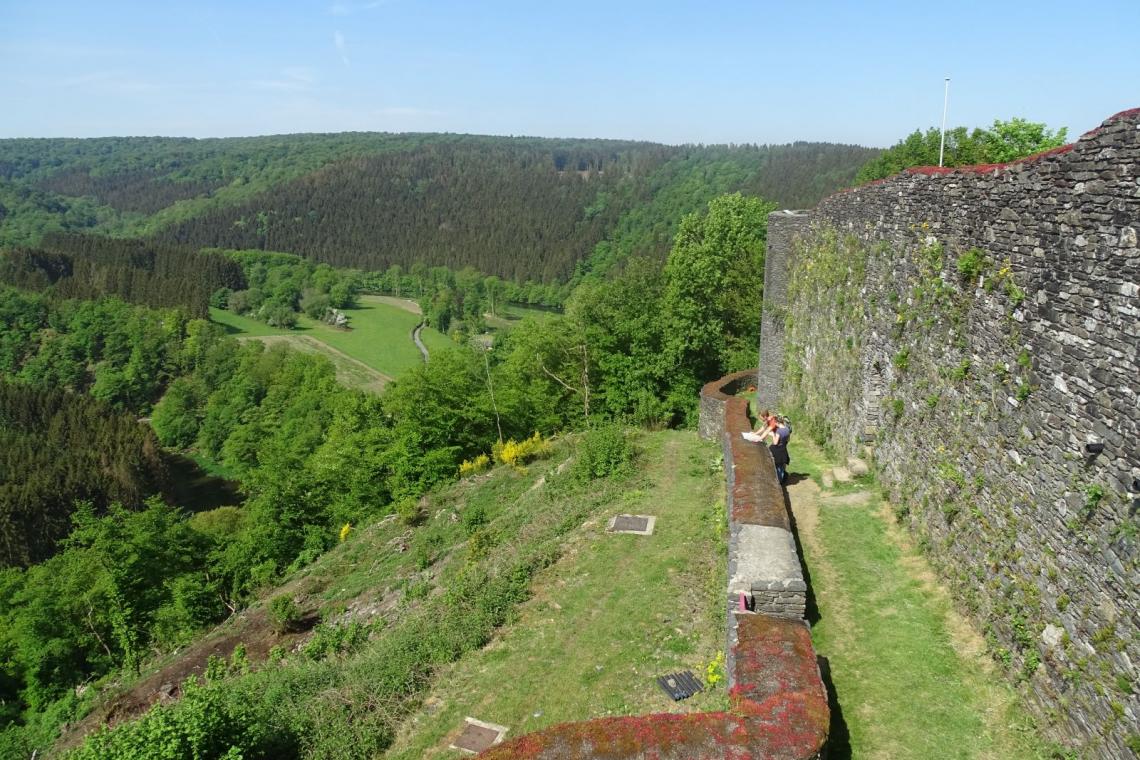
478	735
680	685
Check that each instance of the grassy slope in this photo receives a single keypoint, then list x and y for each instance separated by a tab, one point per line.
381	334
910	675
613	613
635	606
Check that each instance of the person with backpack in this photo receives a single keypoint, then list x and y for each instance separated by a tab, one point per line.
781	434
778	430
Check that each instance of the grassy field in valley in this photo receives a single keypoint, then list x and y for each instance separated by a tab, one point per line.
380	338
910	675
510	315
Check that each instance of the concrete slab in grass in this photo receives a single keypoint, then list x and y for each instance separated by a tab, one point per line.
641	525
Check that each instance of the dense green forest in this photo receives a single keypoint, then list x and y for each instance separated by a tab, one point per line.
517	212
91	266
59	448
522	209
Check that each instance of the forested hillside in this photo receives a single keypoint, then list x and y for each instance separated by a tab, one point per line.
57	448
91	266
523	209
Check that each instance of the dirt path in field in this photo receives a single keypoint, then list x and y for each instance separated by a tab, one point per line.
351	372
406	304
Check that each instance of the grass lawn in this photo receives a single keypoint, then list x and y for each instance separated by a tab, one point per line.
911	677
612	614
239	326
381	334
510	315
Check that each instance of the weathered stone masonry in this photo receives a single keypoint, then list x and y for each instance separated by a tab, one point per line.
1002	407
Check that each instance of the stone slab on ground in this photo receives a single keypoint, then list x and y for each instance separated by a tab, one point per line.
478	735
641	525
857	466
828	479
841	474
856	499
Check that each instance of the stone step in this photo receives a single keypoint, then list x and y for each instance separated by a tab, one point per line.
857	467
828	479
841	474
857	499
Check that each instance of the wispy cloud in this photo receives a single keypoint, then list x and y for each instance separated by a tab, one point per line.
344	8
108	82
341	47
292	79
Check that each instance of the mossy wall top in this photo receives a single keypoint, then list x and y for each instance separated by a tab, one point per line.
979	328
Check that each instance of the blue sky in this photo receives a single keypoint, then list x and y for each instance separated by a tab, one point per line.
673	72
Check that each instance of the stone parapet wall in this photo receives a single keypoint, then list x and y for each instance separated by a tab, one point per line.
779	707
981	326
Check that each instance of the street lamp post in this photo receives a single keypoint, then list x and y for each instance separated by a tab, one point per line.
945	105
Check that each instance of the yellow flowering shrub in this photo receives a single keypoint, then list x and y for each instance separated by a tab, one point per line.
520	452
714	672
475	466
345	530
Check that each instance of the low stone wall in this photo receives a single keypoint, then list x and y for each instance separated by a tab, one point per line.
779	704
712	419
763	564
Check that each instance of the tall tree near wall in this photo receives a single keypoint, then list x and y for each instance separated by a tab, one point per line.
714	288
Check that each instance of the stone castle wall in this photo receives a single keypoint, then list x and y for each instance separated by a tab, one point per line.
979	328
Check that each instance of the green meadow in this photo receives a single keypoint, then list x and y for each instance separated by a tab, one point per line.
380	338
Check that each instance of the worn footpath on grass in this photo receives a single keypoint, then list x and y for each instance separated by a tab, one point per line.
349	372
613	613
911	676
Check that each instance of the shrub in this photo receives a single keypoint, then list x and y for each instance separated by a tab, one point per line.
1015	294
901	360
971	264
283	613
474	518
1094	494
336	639
518	453
604	451
714	672
409	510
475	466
